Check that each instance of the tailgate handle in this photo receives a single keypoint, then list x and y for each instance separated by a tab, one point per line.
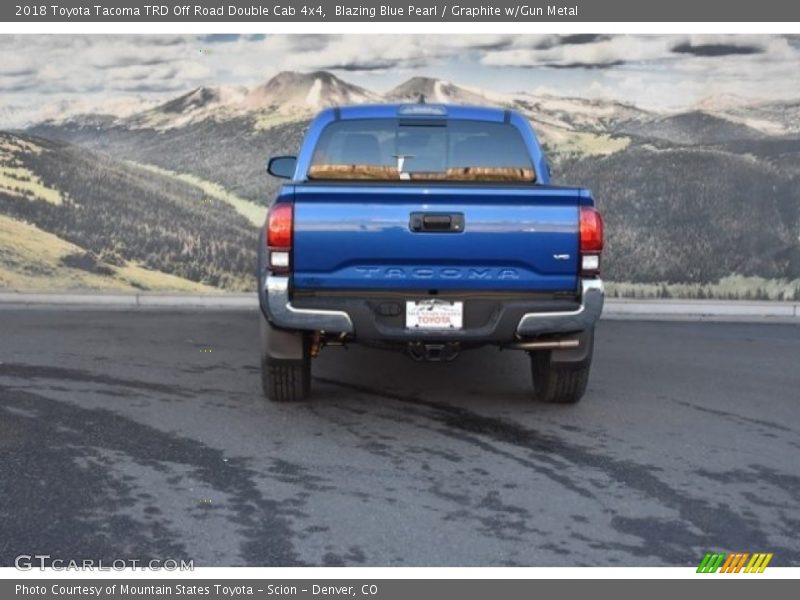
436	222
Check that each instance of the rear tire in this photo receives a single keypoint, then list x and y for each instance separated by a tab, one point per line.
559	382
282	379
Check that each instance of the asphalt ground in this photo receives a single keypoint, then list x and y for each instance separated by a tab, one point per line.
144	434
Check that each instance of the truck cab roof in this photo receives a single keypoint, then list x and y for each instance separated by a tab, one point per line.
418	109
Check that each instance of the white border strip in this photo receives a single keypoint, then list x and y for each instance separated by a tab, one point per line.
399	27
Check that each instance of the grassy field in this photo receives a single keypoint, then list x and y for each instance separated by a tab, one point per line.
32	259
268	119
734	287
563	143
250	210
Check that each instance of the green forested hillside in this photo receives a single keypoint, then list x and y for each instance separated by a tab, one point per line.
696	215
119	213
232	153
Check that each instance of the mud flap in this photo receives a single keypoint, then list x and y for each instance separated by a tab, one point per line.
280	344
575	355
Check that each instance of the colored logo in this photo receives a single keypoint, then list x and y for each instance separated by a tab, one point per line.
734	562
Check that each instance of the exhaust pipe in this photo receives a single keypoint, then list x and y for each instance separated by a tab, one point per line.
544	345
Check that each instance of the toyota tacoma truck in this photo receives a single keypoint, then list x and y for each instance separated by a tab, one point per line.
429	229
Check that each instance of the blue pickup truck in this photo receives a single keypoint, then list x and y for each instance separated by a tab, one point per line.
428	229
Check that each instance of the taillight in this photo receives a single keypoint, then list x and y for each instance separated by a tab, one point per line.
280	225
591	232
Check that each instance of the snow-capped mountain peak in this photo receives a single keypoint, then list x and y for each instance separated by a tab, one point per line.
436	91
292	91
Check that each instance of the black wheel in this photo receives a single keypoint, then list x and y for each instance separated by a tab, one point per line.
559	382
284	379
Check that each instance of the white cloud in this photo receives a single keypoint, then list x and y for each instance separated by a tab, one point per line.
603	52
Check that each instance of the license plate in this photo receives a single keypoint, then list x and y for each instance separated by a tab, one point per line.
434	314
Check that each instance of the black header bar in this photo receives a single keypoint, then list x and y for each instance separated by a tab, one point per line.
314	11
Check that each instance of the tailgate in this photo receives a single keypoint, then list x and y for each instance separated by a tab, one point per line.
350	237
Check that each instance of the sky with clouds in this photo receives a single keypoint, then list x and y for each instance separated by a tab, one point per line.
653	71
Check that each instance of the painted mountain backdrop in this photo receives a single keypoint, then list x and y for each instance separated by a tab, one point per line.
698	202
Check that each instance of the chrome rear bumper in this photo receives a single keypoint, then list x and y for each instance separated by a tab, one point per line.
283	314
592	298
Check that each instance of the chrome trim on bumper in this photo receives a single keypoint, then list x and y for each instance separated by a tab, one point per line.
592	297
283	314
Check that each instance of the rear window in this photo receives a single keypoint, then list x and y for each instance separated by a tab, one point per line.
427	150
